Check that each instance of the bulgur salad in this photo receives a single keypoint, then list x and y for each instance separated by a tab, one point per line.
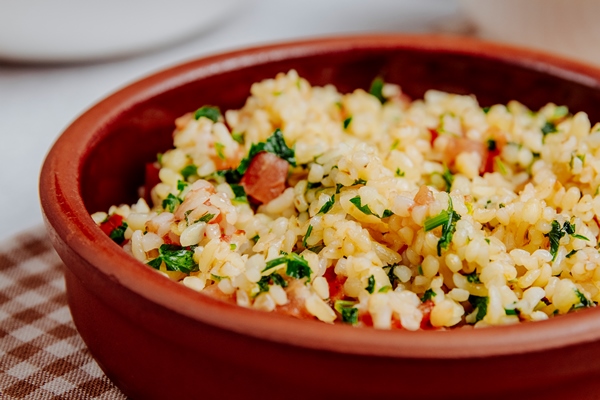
371	209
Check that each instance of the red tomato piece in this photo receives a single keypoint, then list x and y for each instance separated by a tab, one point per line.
265	178
113	222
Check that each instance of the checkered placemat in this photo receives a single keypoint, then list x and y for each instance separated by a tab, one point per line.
41	353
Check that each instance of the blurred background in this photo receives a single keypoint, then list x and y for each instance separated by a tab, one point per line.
58	58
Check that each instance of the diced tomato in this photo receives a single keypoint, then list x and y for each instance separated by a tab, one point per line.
366	319
434	135
296	306
499	143
265	178
151	179
336	284
113	222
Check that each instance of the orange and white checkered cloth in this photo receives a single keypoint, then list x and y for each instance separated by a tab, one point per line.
41	354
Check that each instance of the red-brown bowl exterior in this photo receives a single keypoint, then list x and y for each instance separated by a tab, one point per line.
157	339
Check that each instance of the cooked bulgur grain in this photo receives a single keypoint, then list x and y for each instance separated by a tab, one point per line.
371	209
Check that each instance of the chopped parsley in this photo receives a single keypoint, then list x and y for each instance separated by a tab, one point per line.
428	295
347	310
560	112
366	210
486	110
376	89
327	206
395	144
480	304
308	232
390	272
312	185
571	253
188	171
359	182
347	122
206	218
181	185
274	144
583	301
316	249
212	113
491	145
548	128
399	172
447	220
557	233
239	193
273	279
473	278
385	289
339	186
370	284
118	233
176	258
255	238
219	147
511	311
297	266
171	202
238	137
501	166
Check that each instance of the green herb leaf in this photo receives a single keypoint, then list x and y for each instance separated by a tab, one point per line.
479	303
316	249
118	233
428	295
171	202
486	110
233	246
473	278
583	301
359	182
156	263
387	213
347	122
447	220
350	315
399	172
339	186
206	218
275	144
297	266
491	145
216	278
576	236
560	112
219	147
239	193
327	206
509	311
376	89
308	232
238	137
312	185
571	253
177	258
358	204
548	128
181	185
188	171
385	289
370	284
212	113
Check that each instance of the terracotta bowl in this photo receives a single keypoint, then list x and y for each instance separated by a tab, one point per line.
157	339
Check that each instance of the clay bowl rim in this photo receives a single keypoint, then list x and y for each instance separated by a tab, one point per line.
68	221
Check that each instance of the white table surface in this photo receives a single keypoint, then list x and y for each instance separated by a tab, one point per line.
37	102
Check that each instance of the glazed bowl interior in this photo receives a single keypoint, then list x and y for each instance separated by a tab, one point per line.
99	161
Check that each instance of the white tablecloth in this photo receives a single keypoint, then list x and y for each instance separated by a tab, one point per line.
38	101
